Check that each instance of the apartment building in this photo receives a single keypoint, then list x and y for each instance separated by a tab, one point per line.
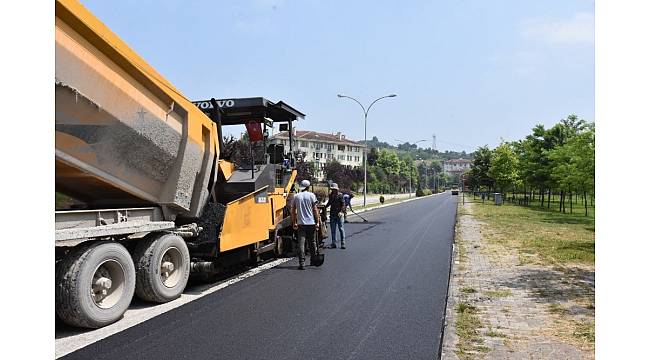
322	147
456	166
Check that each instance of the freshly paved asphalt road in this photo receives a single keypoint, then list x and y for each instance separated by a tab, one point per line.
381	298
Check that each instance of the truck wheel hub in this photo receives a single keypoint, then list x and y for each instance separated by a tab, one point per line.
107	285
171	262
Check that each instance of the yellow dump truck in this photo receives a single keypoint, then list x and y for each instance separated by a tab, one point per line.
152	200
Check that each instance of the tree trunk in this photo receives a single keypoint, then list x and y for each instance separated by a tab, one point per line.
585	196
541	197
548	203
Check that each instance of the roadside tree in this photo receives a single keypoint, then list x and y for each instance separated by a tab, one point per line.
504	168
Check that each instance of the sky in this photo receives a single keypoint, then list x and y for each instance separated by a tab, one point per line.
472	72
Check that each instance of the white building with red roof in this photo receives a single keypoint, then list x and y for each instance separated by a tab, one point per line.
322	147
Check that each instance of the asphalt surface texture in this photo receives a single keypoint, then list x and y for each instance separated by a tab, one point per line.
381	298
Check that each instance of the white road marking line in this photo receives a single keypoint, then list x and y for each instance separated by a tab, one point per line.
132	317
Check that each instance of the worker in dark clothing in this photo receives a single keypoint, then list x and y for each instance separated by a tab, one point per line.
347	198
337	211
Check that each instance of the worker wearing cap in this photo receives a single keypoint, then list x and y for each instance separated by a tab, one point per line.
337	212
305	219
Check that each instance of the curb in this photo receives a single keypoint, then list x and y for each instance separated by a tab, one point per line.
448	314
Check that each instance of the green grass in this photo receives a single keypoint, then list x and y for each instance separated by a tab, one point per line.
556	309
468	324
550	236
458	240
559	241
493	333
467	290
498	293
578	207
585	331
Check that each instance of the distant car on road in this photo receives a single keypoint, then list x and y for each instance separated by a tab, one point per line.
454	190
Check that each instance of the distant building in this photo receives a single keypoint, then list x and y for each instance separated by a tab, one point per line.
456	166
322	147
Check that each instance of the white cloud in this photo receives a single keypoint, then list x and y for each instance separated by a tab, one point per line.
579	29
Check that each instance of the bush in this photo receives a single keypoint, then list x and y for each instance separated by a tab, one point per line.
381	199
422	192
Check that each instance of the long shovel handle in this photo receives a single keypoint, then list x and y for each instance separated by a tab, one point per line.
364	219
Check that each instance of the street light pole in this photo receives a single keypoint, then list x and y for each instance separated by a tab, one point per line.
365	139
410	178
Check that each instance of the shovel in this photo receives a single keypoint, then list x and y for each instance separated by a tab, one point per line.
319	258
362	218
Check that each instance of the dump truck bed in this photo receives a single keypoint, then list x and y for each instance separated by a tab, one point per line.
125	136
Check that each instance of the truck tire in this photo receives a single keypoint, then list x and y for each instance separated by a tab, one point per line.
162	263
94	284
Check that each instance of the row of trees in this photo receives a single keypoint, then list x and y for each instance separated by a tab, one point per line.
389	171
559	160
415	151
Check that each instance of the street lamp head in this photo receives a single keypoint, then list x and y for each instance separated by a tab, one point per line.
339	95
392	95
